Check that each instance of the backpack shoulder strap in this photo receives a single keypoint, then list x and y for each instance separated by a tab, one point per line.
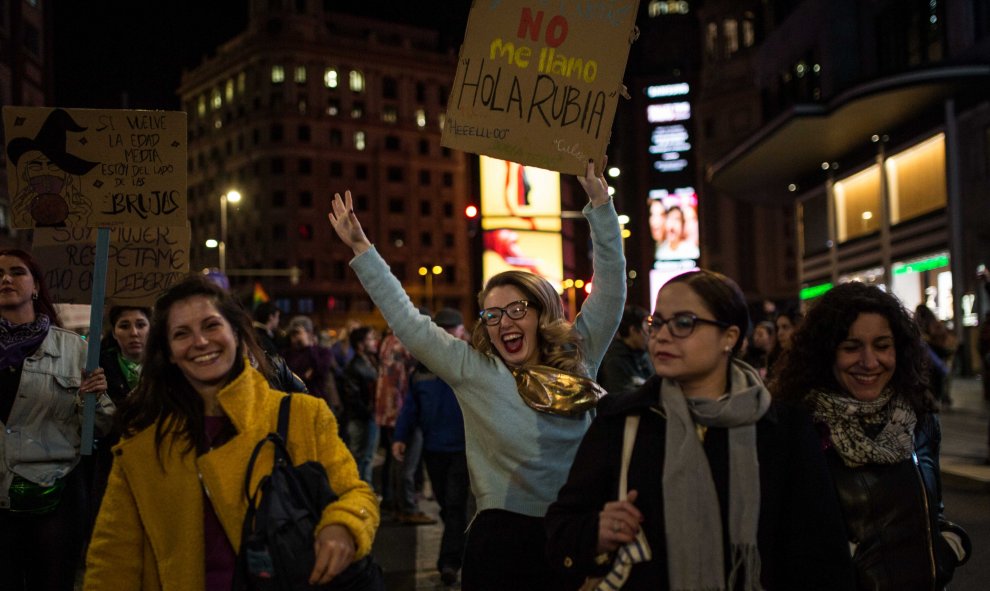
628	441
283	418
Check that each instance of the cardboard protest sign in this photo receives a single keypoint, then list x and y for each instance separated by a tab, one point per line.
89	168
142	262
538	82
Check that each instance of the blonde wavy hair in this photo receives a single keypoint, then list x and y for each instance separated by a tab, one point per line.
559	343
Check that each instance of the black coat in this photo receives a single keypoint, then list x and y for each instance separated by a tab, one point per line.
894	513
799	536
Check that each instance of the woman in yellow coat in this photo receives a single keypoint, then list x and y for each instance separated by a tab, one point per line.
175	504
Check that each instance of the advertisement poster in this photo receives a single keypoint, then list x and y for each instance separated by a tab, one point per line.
538	82
92	168
673	220
520	220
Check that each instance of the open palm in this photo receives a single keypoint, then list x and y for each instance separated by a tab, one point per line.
345	223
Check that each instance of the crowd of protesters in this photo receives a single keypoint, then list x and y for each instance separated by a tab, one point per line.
700	446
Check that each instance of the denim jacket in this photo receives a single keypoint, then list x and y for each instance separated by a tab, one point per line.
40	441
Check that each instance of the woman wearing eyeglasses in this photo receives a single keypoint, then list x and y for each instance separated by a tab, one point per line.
722	486
524	388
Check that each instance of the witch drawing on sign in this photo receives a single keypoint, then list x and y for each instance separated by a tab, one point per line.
49	192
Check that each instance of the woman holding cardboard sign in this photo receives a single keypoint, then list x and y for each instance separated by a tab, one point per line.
524	387
42	493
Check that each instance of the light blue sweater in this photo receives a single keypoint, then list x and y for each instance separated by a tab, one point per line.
518	458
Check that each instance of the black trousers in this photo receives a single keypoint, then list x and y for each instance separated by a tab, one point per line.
449	477
507	550
42	552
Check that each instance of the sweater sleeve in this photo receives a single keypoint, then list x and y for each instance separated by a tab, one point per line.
602	310
449	357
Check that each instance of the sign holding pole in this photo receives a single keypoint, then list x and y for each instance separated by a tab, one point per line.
538	82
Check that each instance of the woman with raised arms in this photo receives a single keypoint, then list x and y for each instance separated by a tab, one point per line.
523	385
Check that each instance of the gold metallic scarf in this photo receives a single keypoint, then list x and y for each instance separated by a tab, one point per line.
557	392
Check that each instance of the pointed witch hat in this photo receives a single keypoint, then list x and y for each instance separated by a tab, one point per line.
50	141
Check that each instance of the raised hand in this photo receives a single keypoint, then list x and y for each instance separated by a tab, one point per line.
345	223
595	185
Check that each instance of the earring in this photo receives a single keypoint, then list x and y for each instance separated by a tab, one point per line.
727	349
34	296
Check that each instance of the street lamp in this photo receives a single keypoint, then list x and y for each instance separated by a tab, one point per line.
428	273
232	197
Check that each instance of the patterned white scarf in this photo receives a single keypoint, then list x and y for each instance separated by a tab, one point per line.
877	431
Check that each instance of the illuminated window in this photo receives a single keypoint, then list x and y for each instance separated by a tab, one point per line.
390	115
711	40
300	75
201	105
230	90
216	101
730	30
241	82
420	118
330	77
359	140
748	31
357	110
356	79
278	74
442	119
333	107
857	204
916	179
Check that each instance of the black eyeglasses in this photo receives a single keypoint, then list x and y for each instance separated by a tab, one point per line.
681	325
515	310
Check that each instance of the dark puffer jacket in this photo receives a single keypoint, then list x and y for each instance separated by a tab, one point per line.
893	517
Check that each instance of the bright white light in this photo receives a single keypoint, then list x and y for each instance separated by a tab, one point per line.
611	190
233	197
623	219
613	171
867	215
211	243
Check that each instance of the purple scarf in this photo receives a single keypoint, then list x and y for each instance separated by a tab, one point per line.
18	341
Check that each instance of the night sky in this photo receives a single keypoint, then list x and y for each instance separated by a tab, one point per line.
111	51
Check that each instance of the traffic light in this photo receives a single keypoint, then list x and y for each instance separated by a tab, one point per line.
471	214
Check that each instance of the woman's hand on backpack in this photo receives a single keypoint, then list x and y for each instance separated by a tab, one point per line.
335	549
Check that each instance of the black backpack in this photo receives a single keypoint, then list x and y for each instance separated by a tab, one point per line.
277	540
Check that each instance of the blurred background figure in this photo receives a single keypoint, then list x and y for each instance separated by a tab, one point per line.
786	322
626	365
358	397
312	362
121	359
941	345
762	341
857	364
43	496
431	408
265	323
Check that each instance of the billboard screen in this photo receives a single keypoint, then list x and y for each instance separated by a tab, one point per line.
520	218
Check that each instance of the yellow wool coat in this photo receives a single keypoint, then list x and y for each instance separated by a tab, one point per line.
149	532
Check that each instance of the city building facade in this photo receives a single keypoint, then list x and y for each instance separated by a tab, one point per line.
26	79
862	128
306	103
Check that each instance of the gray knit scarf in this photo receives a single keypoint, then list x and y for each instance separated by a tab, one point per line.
877	431
693	524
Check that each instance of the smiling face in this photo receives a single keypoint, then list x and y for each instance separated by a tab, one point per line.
201	342
131	333
515	341
699	358
865	361
17	288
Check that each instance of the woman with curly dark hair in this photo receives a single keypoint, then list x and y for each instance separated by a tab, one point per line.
858	364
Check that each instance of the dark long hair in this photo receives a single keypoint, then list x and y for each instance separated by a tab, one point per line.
723	298
42	305
808	364
163	396
109	341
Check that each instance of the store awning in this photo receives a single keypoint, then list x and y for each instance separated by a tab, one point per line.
798	141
